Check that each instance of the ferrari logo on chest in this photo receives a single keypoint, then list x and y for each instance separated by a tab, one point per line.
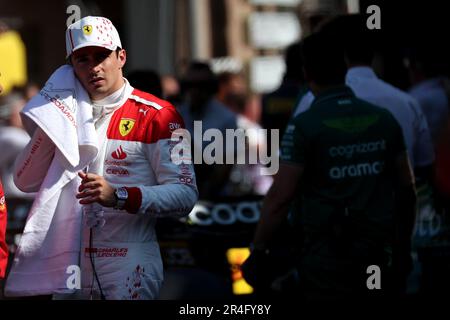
125	126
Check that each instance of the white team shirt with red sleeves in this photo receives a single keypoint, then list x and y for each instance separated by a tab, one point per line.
135	153
138	134
135	144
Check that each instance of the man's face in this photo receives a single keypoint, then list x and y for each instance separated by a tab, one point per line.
99	70
236	85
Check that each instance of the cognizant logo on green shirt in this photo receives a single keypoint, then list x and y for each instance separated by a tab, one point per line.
349	150
358	169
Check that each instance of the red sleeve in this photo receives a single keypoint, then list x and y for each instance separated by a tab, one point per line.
3	246
134	200
166	121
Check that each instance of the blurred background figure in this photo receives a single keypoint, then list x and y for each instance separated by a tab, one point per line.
30	90
13	75
199	85
232	92
146	80
171	89
350	220
230	84
245	179
277	106
13	138
16	92
358	46
428	66
428	71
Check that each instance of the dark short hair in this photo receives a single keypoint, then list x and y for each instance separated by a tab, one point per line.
352	34
199	75
294	63
323	59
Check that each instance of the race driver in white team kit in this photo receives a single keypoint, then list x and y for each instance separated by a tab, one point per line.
132	178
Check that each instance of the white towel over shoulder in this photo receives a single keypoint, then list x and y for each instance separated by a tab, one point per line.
51	239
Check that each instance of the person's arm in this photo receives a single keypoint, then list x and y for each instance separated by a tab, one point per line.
276	203
175	193
31	165
275	208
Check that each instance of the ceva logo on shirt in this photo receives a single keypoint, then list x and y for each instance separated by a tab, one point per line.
119	154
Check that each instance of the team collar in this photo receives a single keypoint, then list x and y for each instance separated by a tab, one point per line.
361	72
334	93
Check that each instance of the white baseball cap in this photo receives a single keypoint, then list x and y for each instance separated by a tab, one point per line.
92	31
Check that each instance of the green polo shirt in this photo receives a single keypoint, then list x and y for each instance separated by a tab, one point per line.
347	147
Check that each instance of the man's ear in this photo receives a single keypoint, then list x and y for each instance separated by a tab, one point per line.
122	56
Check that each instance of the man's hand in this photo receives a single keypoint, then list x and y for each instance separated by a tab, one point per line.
258	269
94	188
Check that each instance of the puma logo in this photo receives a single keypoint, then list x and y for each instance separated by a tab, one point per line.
143	111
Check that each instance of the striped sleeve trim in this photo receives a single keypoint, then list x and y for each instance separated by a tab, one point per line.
144	101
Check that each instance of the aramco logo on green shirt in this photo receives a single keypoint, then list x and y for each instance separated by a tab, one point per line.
352	124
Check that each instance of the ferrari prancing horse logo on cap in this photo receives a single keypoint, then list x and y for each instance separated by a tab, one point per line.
125	126
87	29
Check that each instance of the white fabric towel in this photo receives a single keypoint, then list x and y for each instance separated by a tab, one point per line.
51	239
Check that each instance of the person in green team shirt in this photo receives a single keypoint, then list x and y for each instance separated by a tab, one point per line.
345	167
